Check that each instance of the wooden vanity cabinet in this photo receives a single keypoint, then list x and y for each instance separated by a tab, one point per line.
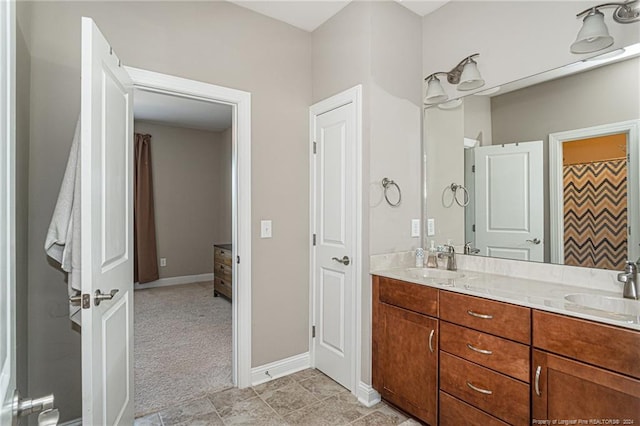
583	370
405	347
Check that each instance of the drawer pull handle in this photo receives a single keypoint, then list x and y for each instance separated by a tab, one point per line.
483	316
431	340
537	381
482	351
484	391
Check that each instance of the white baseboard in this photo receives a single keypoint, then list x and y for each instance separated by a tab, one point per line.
367	395
281	368
74	422
163	282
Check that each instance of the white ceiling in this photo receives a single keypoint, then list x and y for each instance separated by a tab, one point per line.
310	14
181	112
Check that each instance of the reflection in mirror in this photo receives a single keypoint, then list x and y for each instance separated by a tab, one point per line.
550	164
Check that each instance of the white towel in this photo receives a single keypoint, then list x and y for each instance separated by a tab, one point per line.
63	237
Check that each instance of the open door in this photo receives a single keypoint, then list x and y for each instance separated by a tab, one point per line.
106	233
509	201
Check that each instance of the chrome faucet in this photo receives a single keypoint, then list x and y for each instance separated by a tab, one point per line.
450	254
468	248
630	279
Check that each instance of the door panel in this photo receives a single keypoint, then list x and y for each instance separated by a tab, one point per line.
510	204
334	209
106	232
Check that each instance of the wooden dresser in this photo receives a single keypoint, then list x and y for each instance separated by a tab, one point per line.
222	270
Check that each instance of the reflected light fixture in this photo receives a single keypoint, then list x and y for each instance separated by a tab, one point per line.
466	75
594	34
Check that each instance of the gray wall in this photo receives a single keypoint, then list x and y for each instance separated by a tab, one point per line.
192	203
23	73
378	45
215	42
603	95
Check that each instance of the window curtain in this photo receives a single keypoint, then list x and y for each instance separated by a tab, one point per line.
145	264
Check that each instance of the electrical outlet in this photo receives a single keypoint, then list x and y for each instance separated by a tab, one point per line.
163	261
415	228
265	229
431	227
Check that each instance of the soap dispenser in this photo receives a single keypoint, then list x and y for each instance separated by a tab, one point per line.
432	258
419	257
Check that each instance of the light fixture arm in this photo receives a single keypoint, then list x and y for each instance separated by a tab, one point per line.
453	76
624	14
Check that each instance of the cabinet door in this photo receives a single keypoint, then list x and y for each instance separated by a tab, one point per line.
409	361
569	390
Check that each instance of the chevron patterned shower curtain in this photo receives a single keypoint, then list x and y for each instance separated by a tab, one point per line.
595	214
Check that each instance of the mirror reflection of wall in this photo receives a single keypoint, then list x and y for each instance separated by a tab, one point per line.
583	219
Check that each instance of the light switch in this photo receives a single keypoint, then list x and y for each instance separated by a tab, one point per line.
431	227
265	229
415	228
163	261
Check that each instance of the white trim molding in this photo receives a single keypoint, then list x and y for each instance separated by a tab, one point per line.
556	188
74	422
240	101
164	282
367	395
354	96
281	368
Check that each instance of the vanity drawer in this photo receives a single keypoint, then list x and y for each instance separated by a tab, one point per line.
499	354
494	393
498	318
454	412
222	256
414	297
588	341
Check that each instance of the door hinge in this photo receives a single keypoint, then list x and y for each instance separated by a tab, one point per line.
313	331
473	168
238	259
473	228
314	239
315	147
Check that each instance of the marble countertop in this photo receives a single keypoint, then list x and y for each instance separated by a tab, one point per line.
542	295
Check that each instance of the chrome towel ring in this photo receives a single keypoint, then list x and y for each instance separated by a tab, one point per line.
388	183
454	187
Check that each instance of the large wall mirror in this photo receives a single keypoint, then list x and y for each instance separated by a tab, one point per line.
542	169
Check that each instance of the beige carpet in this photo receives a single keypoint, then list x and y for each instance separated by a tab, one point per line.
182	345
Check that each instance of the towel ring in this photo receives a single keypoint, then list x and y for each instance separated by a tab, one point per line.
465	194
388	183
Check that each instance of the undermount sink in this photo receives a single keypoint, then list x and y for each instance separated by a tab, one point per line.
430	273
606	306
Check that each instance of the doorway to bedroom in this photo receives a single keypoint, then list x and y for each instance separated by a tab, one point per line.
183	344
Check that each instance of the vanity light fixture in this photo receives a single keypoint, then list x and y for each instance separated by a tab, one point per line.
594	34
465	75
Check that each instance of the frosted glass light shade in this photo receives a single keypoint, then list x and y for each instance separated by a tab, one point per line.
594	34
470	78
435	91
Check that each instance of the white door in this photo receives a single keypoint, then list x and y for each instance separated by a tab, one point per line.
334	207
107	232
509	201
7	213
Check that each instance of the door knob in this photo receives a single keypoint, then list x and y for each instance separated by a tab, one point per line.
534	241
100	296
44	406
345	260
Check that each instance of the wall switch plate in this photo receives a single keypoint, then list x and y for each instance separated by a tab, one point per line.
431	227
163	261
265	229
415	228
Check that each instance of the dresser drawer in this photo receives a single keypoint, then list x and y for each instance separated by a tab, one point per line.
499	354
222	287
454	412
222	256
588	341
498	318
222	271
494	393
414	297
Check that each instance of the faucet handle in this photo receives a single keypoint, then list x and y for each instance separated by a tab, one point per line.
631	266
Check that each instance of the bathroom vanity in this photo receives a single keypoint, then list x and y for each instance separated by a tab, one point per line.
473	348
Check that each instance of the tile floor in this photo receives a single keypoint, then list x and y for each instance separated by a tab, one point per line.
305	398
